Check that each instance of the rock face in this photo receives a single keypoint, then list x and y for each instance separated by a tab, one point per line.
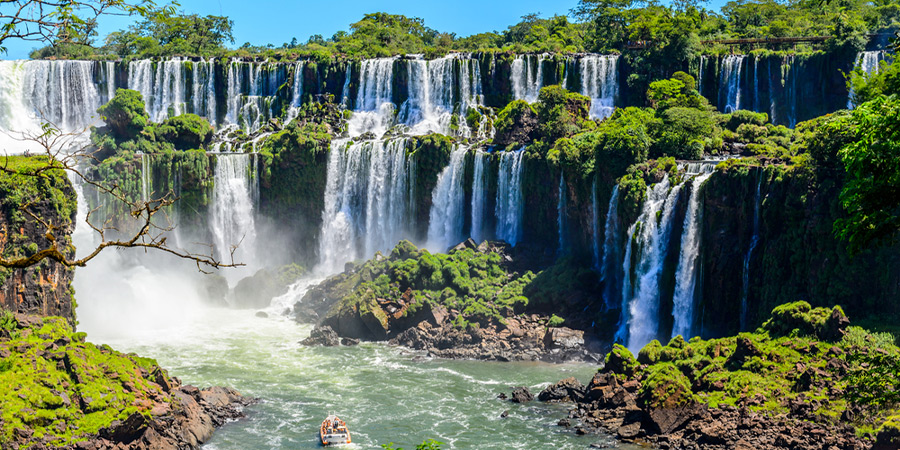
95	398
44	288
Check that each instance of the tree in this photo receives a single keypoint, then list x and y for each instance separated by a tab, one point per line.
166	33
871	192
68	21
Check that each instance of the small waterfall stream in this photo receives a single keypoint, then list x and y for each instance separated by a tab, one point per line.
445	225
509	197
754	241
527	77
478	197
600	82
688	265
232	221
730	83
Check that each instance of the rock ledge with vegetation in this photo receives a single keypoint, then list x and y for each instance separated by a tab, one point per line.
803	380
58	391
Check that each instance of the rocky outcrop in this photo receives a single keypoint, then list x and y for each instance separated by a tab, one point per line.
322	337
523	338
785	387
430	302
25	202
257	291
72	394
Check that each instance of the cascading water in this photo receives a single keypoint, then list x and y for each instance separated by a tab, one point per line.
610	276
754	241
366	199
867	62
561	219
374	111
433	97
60	93
687	270
650	236
164	86
730	83
600	82
232	221
446	220
527	80
478	197
509	197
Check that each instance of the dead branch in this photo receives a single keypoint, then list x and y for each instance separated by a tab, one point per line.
64	153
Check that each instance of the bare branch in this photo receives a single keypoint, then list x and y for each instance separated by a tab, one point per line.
149	235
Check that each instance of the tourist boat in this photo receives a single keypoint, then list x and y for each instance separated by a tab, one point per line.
334	431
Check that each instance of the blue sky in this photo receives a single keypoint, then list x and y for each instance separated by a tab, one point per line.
276	22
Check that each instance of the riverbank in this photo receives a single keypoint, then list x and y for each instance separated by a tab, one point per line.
62	392
804	380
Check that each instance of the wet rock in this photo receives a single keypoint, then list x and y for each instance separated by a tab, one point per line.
569	389
262	314
349	342
504	414
322	336
521	394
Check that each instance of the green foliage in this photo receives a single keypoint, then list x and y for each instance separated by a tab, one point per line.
800	317
67	403
185	132
740	117
682	133
428	444
871	193
561	113
167	34
125	115
512	117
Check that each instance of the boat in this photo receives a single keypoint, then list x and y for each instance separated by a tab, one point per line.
334	431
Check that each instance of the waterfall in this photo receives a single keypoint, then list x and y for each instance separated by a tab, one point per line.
730	83
297	95
600	82
478	197
509	197
231	220
686	273
867	62
374	111
109	79
754	241
204	90
650	234
251	88
166	91
561	219
595	226
700	75
756	106
433	95
345	91
146	174
527	82
446	220
62	93
366	199
611	247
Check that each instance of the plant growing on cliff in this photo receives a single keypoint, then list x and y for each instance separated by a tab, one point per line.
871	193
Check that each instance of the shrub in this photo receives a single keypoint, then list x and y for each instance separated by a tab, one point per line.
185	132
125	115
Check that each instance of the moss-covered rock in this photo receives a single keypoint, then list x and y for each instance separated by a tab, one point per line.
185	132
125	114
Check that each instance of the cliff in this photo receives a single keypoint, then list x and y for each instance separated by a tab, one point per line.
25	202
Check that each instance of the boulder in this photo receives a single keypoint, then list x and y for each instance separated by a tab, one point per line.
564	338
322	336
521	395
569	389
257	291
